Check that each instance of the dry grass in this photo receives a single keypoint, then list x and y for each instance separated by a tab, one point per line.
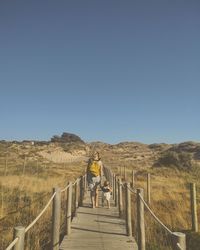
27	179
170	201
25	188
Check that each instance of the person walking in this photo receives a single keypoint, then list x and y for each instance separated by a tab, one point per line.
106	193
94	173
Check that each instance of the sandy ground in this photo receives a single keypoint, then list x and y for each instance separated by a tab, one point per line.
58	156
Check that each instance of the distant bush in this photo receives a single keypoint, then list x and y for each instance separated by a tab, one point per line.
66	137
181	160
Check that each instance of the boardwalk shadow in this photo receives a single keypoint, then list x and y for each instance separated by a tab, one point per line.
103	215
110	222
87	206
97	231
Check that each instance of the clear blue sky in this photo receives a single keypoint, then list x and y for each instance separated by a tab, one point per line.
106	70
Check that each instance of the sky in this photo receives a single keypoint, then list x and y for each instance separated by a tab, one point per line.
106	70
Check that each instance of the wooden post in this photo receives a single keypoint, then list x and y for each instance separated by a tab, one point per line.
128	210
178	241
113	186
20	233
81	191
120	197
69	208
24	165
85	183
2	200
37	164
106	173
6	164
116	191
76	198
56	212
133	179
148	189
124	173
110	177
140	220
193	207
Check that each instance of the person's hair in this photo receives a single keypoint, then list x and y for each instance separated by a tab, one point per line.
96	154
106	183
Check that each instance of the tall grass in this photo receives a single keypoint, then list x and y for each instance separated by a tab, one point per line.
26	182
170	201
25	189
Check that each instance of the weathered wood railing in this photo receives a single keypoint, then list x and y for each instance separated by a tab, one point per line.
177	239
122	193
79	185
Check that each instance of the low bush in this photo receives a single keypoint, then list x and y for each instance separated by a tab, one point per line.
180	160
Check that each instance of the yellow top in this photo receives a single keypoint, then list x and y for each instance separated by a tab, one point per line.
94	167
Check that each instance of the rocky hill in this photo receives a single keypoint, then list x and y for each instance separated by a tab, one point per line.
69	148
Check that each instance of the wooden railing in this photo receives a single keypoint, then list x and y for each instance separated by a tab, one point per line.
122	195
122	192
79	186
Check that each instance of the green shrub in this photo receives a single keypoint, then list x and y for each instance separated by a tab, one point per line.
181	160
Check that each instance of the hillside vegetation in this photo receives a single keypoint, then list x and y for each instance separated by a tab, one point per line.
30	169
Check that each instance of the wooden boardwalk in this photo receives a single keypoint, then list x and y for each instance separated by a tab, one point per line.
99	229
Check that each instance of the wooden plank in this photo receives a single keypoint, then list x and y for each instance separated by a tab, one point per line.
98	228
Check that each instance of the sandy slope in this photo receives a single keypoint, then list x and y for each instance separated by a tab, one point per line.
59	156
